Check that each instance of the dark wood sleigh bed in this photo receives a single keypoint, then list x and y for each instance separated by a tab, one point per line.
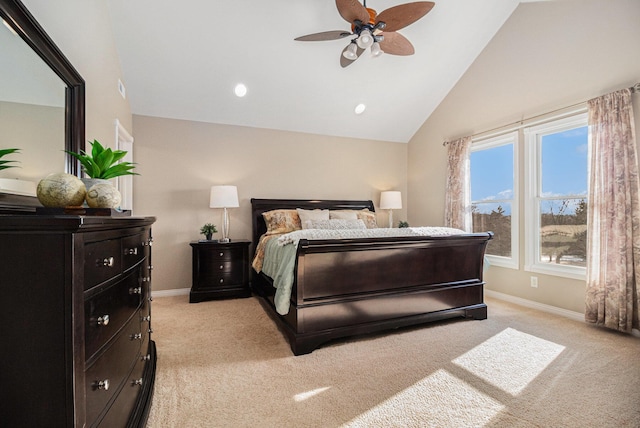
348	287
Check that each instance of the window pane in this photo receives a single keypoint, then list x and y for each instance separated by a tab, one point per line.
563	231
492	173
497	219
564	163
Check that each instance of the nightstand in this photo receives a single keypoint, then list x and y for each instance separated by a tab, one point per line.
220	270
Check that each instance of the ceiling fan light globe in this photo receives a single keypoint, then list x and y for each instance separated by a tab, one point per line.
350	52
365	39
375	50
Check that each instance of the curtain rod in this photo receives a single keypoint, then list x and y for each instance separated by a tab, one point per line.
520	123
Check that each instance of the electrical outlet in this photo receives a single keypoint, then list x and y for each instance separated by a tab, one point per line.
534	281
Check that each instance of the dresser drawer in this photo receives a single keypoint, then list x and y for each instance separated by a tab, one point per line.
102	262
133	250
107	311
121	409
104	377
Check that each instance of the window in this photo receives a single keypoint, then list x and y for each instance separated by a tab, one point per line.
494	204
556	197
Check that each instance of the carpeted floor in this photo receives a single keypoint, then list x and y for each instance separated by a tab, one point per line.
226	364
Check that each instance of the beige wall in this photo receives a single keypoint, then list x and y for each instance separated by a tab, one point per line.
547	56
82	31
180	160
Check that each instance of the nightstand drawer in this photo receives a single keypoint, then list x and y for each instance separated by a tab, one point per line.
224	267
216	279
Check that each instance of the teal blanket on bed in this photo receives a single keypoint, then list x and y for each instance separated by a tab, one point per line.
279	262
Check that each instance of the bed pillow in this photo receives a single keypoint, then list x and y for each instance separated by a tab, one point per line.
281	221
343	214
335	224
307	215
368	217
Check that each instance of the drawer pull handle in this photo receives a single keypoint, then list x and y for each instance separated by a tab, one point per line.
146	279
221	267
145	319
221	281
150	267
136	336
221	254
131	251
107	262
145	357
137	290
103	320
102	384
136	382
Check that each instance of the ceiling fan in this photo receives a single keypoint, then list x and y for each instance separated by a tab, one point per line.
373	30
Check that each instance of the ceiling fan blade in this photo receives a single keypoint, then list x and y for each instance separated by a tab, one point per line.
400	16
396	44
351	10
325	35
344	62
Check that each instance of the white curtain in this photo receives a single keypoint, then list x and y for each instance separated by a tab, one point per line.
613	264
457	210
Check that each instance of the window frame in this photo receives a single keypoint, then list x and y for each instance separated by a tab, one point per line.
533	187
479	144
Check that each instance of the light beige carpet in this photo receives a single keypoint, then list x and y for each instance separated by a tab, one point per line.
226	364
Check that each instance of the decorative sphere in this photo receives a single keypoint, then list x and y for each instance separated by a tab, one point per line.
59	190
103	195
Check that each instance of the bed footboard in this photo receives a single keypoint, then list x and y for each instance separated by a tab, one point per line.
350	287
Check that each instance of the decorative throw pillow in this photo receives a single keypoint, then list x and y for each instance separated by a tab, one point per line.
317	214
335	224
343	214
281	221
368	217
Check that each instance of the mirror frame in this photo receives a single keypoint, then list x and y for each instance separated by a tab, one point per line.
20	19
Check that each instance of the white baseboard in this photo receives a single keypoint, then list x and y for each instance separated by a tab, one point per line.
169	293
577	316
535	305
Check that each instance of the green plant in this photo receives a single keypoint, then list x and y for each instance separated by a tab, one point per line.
101	163
403	224
4	164
208	229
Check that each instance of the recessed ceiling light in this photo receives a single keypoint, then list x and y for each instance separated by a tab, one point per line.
360	108
240	90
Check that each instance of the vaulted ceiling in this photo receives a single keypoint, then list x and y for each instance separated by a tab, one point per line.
184	61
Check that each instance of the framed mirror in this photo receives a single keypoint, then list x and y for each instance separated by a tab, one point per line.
29	100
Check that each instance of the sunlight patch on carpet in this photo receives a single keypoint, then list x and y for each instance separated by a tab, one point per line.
308	394
422	405
510	360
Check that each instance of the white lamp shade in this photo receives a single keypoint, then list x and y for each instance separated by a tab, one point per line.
391	200
224	197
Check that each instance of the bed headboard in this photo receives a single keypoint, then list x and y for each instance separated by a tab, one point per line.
259	206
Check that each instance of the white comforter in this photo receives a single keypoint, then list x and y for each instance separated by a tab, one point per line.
294	237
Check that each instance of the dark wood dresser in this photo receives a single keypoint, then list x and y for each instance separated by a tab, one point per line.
220	270
75	321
